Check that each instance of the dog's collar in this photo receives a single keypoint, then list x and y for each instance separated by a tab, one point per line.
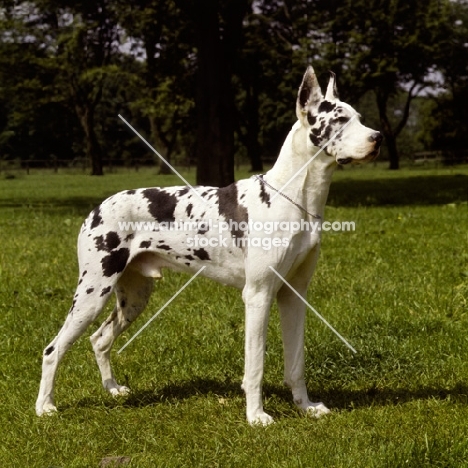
290	200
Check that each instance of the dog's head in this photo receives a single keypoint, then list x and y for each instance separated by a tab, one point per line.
334	125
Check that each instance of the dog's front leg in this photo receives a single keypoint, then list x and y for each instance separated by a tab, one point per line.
292	315
257	309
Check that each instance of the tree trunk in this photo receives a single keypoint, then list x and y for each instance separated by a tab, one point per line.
253	123
392	151
253	153
216	48
389	134
214	149
152	36
93	148
155	138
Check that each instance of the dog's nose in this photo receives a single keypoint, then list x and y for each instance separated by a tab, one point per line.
377	138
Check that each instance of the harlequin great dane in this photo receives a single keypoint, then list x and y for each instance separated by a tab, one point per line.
328	133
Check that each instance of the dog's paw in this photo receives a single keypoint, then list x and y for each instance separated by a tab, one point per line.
316	410
260	419
115	389
119	390
47	409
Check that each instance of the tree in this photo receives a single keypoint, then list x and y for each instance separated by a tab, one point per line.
217	29
157	31
30	117
85	49
76	43
65	67
250	73
271	62
449	114
390	47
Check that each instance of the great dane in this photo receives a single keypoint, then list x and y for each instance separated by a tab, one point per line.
115	258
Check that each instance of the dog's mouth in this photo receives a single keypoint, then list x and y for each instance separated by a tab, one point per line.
369	157
343	161
372	155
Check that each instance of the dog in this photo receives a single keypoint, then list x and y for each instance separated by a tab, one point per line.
328	133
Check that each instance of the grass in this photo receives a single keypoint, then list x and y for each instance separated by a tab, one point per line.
397	289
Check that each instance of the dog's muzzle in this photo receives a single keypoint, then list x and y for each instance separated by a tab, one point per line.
375	138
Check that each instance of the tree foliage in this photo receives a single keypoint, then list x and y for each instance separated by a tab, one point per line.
214	80
449	122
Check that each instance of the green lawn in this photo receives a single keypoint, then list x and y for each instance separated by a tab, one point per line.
396	288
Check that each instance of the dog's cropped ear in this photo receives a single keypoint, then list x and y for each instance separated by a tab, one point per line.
332	91
309	95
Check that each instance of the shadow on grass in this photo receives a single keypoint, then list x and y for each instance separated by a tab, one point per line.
335	399
184	390
348	399
78	205
392	191
410	190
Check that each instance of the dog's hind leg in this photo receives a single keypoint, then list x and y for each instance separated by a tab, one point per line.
87	305
292	316
132	294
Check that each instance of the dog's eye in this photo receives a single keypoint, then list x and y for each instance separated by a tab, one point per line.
342	120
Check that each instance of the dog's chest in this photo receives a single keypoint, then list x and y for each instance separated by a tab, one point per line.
302	243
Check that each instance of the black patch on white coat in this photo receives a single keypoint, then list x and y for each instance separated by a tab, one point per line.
264	196
183	191
111	242
204	228
318	130
49	350
231	209
73	305
320	135
106	291
145	244
340	120
96	217
202	254
115	262
314	139
161	204
327	133
311	118
326	106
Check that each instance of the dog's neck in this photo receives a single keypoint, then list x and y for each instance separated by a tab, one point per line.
310	186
